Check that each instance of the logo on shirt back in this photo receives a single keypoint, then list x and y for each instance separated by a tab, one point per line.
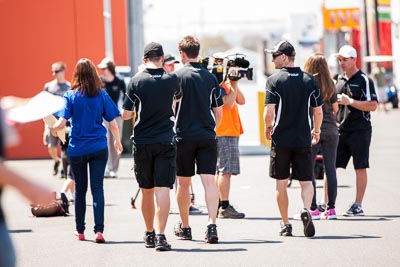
157	76
353	85
196	69
293	74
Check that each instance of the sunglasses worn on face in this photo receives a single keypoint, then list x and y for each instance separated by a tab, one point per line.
344	59
57	71
276	55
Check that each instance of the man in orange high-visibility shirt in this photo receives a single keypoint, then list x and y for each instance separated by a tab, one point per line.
228	132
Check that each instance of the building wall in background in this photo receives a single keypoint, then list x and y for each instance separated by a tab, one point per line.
120	31
37	33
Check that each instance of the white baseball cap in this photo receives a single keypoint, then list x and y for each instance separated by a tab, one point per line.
347	51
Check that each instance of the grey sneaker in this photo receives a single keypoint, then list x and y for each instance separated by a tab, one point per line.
286	229
230	213
354	210
193	210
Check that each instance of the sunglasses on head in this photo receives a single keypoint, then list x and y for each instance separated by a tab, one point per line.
276	55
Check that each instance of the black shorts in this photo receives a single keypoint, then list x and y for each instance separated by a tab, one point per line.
299	159
356	145
202	153
155	165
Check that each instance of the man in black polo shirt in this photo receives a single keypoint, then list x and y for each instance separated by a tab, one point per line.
356	98
151	94
198	113
115	87
289	94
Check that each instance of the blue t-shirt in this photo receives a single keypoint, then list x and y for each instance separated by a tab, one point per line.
88	134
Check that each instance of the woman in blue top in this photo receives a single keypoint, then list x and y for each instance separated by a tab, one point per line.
86	105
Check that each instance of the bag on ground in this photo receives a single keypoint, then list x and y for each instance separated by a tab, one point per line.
55	208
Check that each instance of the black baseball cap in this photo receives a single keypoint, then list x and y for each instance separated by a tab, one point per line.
283	47
153	50
169	59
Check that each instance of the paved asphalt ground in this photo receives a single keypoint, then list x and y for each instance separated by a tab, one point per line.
372	240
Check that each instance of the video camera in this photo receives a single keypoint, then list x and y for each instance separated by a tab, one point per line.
219	66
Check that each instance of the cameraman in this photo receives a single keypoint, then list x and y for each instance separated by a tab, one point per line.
228	132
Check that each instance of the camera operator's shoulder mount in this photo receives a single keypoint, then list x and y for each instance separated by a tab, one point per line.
219	66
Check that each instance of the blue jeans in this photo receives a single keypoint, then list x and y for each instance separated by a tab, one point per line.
79	166
328	143
7	253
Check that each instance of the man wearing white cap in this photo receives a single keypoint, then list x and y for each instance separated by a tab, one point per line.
356	98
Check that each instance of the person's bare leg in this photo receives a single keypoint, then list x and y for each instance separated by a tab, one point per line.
361	184
69	185
224	185
183	199
211	196
162	208
307	193
53	153
282	199
148	208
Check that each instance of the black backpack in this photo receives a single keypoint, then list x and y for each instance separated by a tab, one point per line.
55	208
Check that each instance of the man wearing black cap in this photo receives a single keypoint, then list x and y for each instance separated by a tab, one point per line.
151	94
169	63
116	88
198	114
289	93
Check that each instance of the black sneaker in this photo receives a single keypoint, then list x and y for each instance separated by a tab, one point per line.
162	244
65	203
182	233
309	229
211	234
149	239
55	167
354	210
322	207
230	213
286	230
